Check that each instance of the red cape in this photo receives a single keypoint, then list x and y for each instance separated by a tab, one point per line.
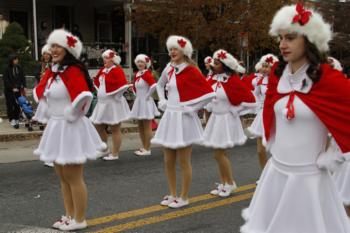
72	77
114	79
236	91
329	99
147	77
247	80
192	86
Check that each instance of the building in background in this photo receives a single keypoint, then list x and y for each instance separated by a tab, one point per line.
101	24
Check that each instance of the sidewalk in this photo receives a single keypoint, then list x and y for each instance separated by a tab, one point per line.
8	133
19	151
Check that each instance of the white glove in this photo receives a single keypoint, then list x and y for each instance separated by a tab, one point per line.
188	110
209	107
330	160
234	110
70	114
118	96
162	104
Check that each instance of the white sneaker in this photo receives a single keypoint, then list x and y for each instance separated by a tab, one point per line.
73	225
142	152
49	164
110	157
217	190
167	200
103	153
60	222
13	122
228	190
178	203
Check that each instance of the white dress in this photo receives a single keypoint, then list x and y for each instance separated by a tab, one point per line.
65	141
180	125
294	195
41	114
144	107
111	109
224	128
256	128
342	176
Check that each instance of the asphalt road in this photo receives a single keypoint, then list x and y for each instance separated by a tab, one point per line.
124	195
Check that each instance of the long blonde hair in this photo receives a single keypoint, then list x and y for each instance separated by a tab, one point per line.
190	61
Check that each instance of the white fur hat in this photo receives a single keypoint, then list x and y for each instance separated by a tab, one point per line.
269	59
110	54
209	60
144	58
45	49
335	63
67	40
295	18
181	43
228	60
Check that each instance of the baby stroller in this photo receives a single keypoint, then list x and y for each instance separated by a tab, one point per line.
26	111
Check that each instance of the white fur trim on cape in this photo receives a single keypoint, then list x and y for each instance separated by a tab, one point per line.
316	30
144	58
60	37
79	107
199	99
229	60
176	41
122	88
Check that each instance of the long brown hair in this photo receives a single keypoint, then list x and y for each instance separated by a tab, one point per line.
315	58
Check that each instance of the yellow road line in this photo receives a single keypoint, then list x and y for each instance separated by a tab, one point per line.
175	214
155	208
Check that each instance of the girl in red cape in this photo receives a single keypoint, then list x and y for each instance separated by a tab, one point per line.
144	109
180	127
260	83
306	99
69	138
111	108
224	129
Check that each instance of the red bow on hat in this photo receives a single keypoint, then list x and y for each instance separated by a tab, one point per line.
111	55
303	16
147	59
71	41
222	55
182	43
269	60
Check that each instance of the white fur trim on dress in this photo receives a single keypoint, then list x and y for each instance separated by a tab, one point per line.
181	43
46	49
116	58
229	60
144	58
65	39
316	29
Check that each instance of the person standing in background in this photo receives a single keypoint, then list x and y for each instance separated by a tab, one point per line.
14	83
